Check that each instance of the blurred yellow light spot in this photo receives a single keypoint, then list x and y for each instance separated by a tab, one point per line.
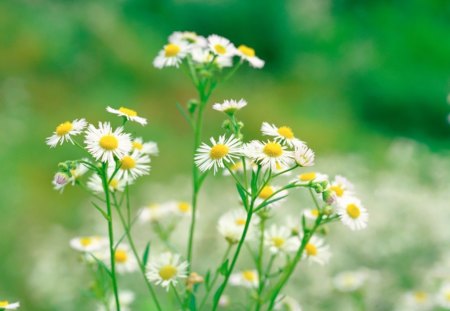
218	151
127	163
121	256
249	275
315	212
420	296
64	128
85	241
240	221
278	241
266	192
247	51
273	149
171	50
286	132
4	303
353	210
109	142
114	183
184	207
311	249
220	49
167	272
307	176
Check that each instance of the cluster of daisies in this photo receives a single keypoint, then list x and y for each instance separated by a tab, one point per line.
419	300
6	305
127	158
213	50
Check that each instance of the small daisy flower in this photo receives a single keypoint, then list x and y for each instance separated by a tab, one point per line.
104	144
311	214
270	154
129	114
88	243
353	214
222	151
221	46
342	187
203	56
166	270
95	183
317	251
268	194
304	156
153	213
418	300
306	178
230	106
133	166
150	148
287	303
349	281
60	180
443	296
282	134
126	298
125	261
249	55
6	305
231	225
280	240
189	37
64	131
171	55
246	278
180	208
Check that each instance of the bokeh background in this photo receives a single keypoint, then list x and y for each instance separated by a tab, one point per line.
364	83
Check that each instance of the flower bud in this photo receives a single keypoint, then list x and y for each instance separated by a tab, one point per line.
60	180
329	197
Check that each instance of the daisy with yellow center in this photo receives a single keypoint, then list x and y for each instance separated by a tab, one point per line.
248	54
133	166
341	187
150	148
166	270
191	38
104	144
230	106
153	212
280	240
222	151
6	305
317	251
127	113
311	214
221	46
350	281
283	134
311	177
64	131
180	208
231	225
124	259
443	296
269	193
95	183
304	156
246	278
205	56
89	243
172	54
270	154
352	213
417	300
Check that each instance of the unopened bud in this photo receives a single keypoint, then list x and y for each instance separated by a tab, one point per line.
194	278
329	197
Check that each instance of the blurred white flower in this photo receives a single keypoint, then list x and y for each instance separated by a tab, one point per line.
172	54
221	46
129	114
6	305
89	243
279	240
349	281
249	55
317	251
149	148
353	214
246	278
231	225
230	106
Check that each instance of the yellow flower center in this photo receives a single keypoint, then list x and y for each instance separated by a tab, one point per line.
167	272
128	112
315	212
286	132
184	207
237	166
171	50
120	256
127	163
109	142
353	211
137	145
64	128
311	249
249	276
85	241
278	241
266	192
114	183
4	303
220	49
447	296
240	221
420	296
247	51
338	190
307	176
273	149
218	151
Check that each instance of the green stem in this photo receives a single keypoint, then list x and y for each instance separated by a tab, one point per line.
260	262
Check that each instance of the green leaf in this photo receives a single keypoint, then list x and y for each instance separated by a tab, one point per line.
270	202
242	194
217	294
223	269
145	255
104	214
101	265
184	114
192	303
207	278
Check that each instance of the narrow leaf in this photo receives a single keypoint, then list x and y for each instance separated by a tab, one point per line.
146	253
184	114
223	269
98	208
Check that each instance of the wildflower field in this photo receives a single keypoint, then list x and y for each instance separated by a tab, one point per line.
224	155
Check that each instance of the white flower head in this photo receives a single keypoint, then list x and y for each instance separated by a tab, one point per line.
189	37
129	114
443	296
89	243
172	54
222	151
270	155
350	281
249	55
6	305
417	301
150	148
231	225
126	298
282	134
280	240
133	166
95	183
180	208
60	180
204	56
166	269
230	106
311	214
221	46
287	303
308	177
317	251
303	155
104	144
246	278
153	213
271	193
342	187
353	214
124	259
64	131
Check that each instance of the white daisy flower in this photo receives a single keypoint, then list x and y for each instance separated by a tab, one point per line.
282	134
171	55
133	166
204	56
104	144
238	167
306	178
280	240
417	301
64	131
116	184
311	214
249	55
180	208
215	156
126	298
342	187
287	303
166	269
270	154
129	114
125	262
230	106
317	251
350	281
246	278
443	296
150	148
189	37
153	213
88	243
268	194
6	305
353	214
304	156
60	180
231	225
221	46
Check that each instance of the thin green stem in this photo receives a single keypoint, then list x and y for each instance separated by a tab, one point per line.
177	296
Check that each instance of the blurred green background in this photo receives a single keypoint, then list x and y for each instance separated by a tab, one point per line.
349	77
